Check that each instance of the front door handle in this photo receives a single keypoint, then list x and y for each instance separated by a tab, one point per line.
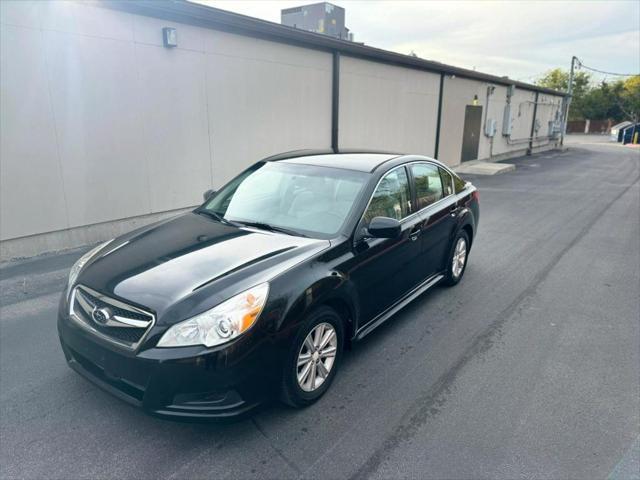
415	233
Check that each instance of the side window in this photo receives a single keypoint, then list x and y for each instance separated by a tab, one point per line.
391	198
428	184
459	183
447	182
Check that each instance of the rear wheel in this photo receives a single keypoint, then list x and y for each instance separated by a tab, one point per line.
313	358
457	262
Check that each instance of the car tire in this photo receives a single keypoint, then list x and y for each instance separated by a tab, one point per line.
455	271
295	392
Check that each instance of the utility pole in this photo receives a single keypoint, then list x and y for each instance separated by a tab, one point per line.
565	119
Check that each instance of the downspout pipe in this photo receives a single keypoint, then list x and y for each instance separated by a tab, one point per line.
533	125
439	120
490	90
335	101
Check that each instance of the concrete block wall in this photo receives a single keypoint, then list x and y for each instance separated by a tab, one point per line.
101	123
386	107
460	92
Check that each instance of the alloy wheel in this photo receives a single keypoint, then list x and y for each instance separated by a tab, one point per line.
459	257
317	357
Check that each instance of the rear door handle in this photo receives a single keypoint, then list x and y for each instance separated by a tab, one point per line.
453	211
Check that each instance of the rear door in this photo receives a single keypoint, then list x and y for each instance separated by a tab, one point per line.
437	206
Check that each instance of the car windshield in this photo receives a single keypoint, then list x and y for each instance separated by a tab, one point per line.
300	199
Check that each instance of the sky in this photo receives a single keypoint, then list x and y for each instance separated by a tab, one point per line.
520	38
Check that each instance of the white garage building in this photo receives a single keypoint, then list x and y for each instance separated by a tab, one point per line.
104	128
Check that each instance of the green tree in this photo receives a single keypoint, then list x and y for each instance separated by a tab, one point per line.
599	103
558	79
630	97
618	100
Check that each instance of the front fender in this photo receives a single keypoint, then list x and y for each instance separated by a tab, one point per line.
334	288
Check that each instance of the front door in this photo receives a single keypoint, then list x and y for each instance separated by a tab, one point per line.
471	132
384	269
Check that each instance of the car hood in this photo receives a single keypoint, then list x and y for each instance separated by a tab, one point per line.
159	265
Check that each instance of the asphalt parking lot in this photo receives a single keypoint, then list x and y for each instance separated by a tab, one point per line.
529	368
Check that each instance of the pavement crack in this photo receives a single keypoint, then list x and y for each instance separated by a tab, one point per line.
280	453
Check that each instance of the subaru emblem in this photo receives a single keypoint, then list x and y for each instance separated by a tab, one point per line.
101	315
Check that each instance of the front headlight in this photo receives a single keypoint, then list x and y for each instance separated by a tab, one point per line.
82	261
222	323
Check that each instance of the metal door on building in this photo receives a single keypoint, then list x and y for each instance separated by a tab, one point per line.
471	132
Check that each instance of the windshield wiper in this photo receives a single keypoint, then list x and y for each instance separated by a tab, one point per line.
271	228
215	216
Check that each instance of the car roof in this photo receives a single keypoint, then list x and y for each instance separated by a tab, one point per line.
355	160
359	161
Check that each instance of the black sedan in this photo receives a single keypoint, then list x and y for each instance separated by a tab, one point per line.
258	292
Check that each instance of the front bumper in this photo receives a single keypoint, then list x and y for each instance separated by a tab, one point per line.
188	383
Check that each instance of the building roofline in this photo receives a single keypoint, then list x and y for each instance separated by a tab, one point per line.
209	17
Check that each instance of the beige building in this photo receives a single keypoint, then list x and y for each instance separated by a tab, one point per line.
104	127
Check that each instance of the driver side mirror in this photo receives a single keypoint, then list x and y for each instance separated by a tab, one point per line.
384	227
208	194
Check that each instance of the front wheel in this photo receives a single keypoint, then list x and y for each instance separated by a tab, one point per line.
457	262
313	358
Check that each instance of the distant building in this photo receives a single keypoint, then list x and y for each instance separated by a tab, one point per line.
324	18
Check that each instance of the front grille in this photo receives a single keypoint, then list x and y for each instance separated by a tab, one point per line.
116	310
128	335
125	324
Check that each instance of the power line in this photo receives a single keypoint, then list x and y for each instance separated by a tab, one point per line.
582	65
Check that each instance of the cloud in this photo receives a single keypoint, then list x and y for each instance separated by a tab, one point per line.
521	39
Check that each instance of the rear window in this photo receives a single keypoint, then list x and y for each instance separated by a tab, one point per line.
458	182
426	178
447	182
